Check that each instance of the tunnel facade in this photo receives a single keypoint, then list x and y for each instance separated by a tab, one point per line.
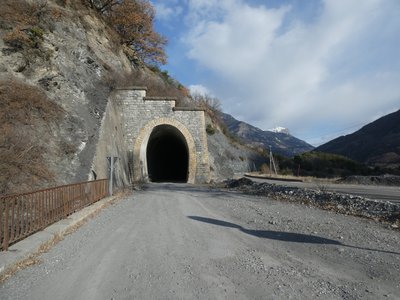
167	155
168	143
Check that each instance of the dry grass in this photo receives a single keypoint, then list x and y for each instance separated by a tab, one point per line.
23	264
21	18
19	12
32	259
22	146
157	83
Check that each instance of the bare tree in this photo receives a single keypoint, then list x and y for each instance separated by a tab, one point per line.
102	5
211	105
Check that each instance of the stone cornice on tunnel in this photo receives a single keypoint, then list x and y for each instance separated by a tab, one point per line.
141	114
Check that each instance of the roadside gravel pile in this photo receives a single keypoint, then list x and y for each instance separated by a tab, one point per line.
389	180
342	203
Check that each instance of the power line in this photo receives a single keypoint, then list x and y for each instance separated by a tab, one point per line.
339	131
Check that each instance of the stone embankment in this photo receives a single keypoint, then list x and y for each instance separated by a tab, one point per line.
341	203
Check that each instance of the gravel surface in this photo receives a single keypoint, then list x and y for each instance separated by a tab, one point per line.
339	202
175	241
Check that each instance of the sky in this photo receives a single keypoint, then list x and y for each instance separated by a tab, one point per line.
321	68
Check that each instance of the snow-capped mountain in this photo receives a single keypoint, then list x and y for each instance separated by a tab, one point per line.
280	129
281	141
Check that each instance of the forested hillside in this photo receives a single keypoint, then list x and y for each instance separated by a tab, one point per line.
377	143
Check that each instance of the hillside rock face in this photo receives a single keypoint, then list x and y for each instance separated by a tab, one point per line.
76	61
280	142
229	159
377	143
76	57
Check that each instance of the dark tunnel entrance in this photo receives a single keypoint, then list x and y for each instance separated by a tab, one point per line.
167	155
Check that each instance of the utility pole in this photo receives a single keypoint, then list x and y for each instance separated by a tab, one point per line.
271	162
111	166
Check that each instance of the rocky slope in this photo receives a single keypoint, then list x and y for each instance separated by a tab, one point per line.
230	158
70	62
66	52
377	143
280	142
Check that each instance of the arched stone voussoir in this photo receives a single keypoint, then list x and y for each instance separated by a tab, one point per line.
141	142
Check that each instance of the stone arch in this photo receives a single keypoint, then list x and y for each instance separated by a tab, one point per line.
141	143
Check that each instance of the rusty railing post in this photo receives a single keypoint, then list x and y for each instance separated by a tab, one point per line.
24	214
6	229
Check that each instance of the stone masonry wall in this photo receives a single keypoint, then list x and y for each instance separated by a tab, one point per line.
141	114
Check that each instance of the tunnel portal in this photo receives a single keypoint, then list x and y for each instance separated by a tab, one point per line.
167	155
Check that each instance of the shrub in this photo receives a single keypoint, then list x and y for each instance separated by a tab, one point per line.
264	169
37	32
210	129
320	164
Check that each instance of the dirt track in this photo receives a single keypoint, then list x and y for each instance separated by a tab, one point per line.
185	242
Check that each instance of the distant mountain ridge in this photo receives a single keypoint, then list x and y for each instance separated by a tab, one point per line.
280	142
377	143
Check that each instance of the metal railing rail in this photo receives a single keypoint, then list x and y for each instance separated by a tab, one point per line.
24	214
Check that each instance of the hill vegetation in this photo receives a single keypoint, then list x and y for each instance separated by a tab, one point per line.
319	164
373	150
376	144
327	165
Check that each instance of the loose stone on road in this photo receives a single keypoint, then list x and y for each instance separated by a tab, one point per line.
176	241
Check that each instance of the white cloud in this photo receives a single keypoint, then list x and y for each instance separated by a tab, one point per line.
166	11
278	71
237	43
199	89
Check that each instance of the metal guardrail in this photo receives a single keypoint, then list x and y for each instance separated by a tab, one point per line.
24	214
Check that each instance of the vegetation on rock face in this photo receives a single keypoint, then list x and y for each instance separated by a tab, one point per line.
156	82
22	148
133	20
212	107
210	129
22	20
102	5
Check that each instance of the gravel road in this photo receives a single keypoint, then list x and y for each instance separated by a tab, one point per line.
176	241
